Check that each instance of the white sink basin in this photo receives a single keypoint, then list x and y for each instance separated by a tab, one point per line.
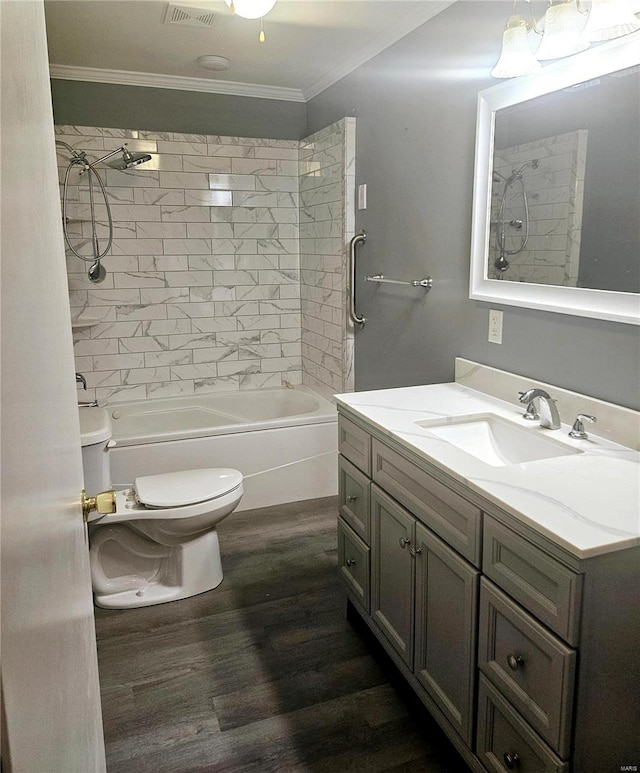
496	441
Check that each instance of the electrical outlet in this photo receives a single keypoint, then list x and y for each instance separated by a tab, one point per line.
495	326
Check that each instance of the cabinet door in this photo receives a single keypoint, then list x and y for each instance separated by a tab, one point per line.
392	569
445	626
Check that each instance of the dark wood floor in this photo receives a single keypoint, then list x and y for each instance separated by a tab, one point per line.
264	673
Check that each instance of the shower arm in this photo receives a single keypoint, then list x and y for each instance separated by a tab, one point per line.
121	149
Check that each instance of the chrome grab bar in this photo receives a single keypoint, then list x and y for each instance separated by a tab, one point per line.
357	239
426	283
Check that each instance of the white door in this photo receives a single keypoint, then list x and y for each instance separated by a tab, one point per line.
51	700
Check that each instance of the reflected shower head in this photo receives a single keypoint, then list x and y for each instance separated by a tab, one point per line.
129	160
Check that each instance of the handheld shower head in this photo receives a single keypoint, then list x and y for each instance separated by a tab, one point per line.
129	160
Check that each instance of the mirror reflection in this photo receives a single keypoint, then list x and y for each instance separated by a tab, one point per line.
565	192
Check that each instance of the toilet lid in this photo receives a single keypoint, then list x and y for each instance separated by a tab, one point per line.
187	487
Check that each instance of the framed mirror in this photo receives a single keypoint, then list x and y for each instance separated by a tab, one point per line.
556	206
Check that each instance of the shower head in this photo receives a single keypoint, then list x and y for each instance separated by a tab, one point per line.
129	160
518	172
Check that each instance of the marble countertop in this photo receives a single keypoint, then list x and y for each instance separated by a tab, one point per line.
588	503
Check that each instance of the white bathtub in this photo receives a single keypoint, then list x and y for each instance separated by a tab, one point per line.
284	441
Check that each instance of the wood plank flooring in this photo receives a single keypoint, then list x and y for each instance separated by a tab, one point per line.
264	673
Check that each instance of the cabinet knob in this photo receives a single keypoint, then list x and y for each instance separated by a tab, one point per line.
404	541
351	498
511	760
415	551
350	562
515	661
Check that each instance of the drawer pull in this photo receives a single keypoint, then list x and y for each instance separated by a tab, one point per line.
350	562
351	498
511	760
404	541
515	661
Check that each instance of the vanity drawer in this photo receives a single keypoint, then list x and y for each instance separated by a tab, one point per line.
355	444
354	492
353	562
547	588
446	513
505	741
532	668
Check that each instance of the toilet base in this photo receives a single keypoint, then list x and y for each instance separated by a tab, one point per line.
155	573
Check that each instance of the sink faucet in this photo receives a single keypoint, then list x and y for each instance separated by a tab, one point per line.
80	379
549	416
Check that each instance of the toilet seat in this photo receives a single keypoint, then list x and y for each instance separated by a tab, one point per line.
184	488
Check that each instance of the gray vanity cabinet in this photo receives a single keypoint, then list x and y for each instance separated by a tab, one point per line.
445	629
393	572
526	655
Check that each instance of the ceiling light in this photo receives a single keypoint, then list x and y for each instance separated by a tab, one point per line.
516	57
563	25
610	19
250	9
214	62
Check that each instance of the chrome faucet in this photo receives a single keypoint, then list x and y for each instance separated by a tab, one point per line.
549	416
80	379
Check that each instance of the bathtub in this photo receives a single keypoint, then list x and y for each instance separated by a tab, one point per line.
284	441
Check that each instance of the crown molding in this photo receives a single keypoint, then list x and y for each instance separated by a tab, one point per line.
419	14
157	81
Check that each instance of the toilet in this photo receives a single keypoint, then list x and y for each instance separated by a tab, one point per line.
161	544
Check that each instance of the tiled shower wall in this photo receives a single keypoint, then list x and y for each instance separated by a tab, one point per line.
202	291
555	193
327	186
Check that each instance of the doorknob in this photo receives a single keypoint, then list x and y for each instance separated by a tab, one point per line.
103	503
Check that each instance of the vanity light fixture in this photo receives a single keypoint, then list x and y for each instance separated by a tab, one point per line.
516	57
563	26
252	9
610	19
569	26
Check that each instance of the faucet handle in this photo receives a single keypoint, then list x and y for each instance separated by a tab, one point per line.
80	379
578	431
530	414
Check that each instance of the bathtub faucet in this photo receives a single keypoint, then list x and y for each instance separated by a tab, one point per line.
80	379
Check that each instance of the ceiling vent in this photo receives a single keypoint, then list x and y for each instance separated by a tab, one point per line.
188	15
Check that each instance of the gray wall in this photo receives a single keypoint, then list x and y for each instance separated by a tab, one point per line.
415	106
81	103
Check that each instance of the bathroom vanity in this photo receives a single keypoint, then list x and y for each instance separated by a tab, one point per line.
507	592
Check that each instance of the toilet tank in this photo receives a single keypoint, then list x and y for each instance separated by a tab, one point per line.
95	433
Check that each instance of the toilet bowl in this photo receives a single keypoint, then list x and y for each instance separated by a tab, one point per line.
161	543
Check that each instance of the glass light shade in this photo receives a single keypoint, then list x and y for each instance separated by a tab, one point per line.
516	57
563	25
251	9
610	19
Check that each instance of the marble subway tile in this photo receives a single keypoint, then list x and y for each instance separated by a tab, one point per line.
185	214
119	394
187	246
158	197
139	279
214	262
143	344
186	148
158	296
170	389
142	312
183	180
206	294
161	359
161	327
118	361
220	198
193	372
146	375
231	182
189	278
164	263
210	231
161	230
215	354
